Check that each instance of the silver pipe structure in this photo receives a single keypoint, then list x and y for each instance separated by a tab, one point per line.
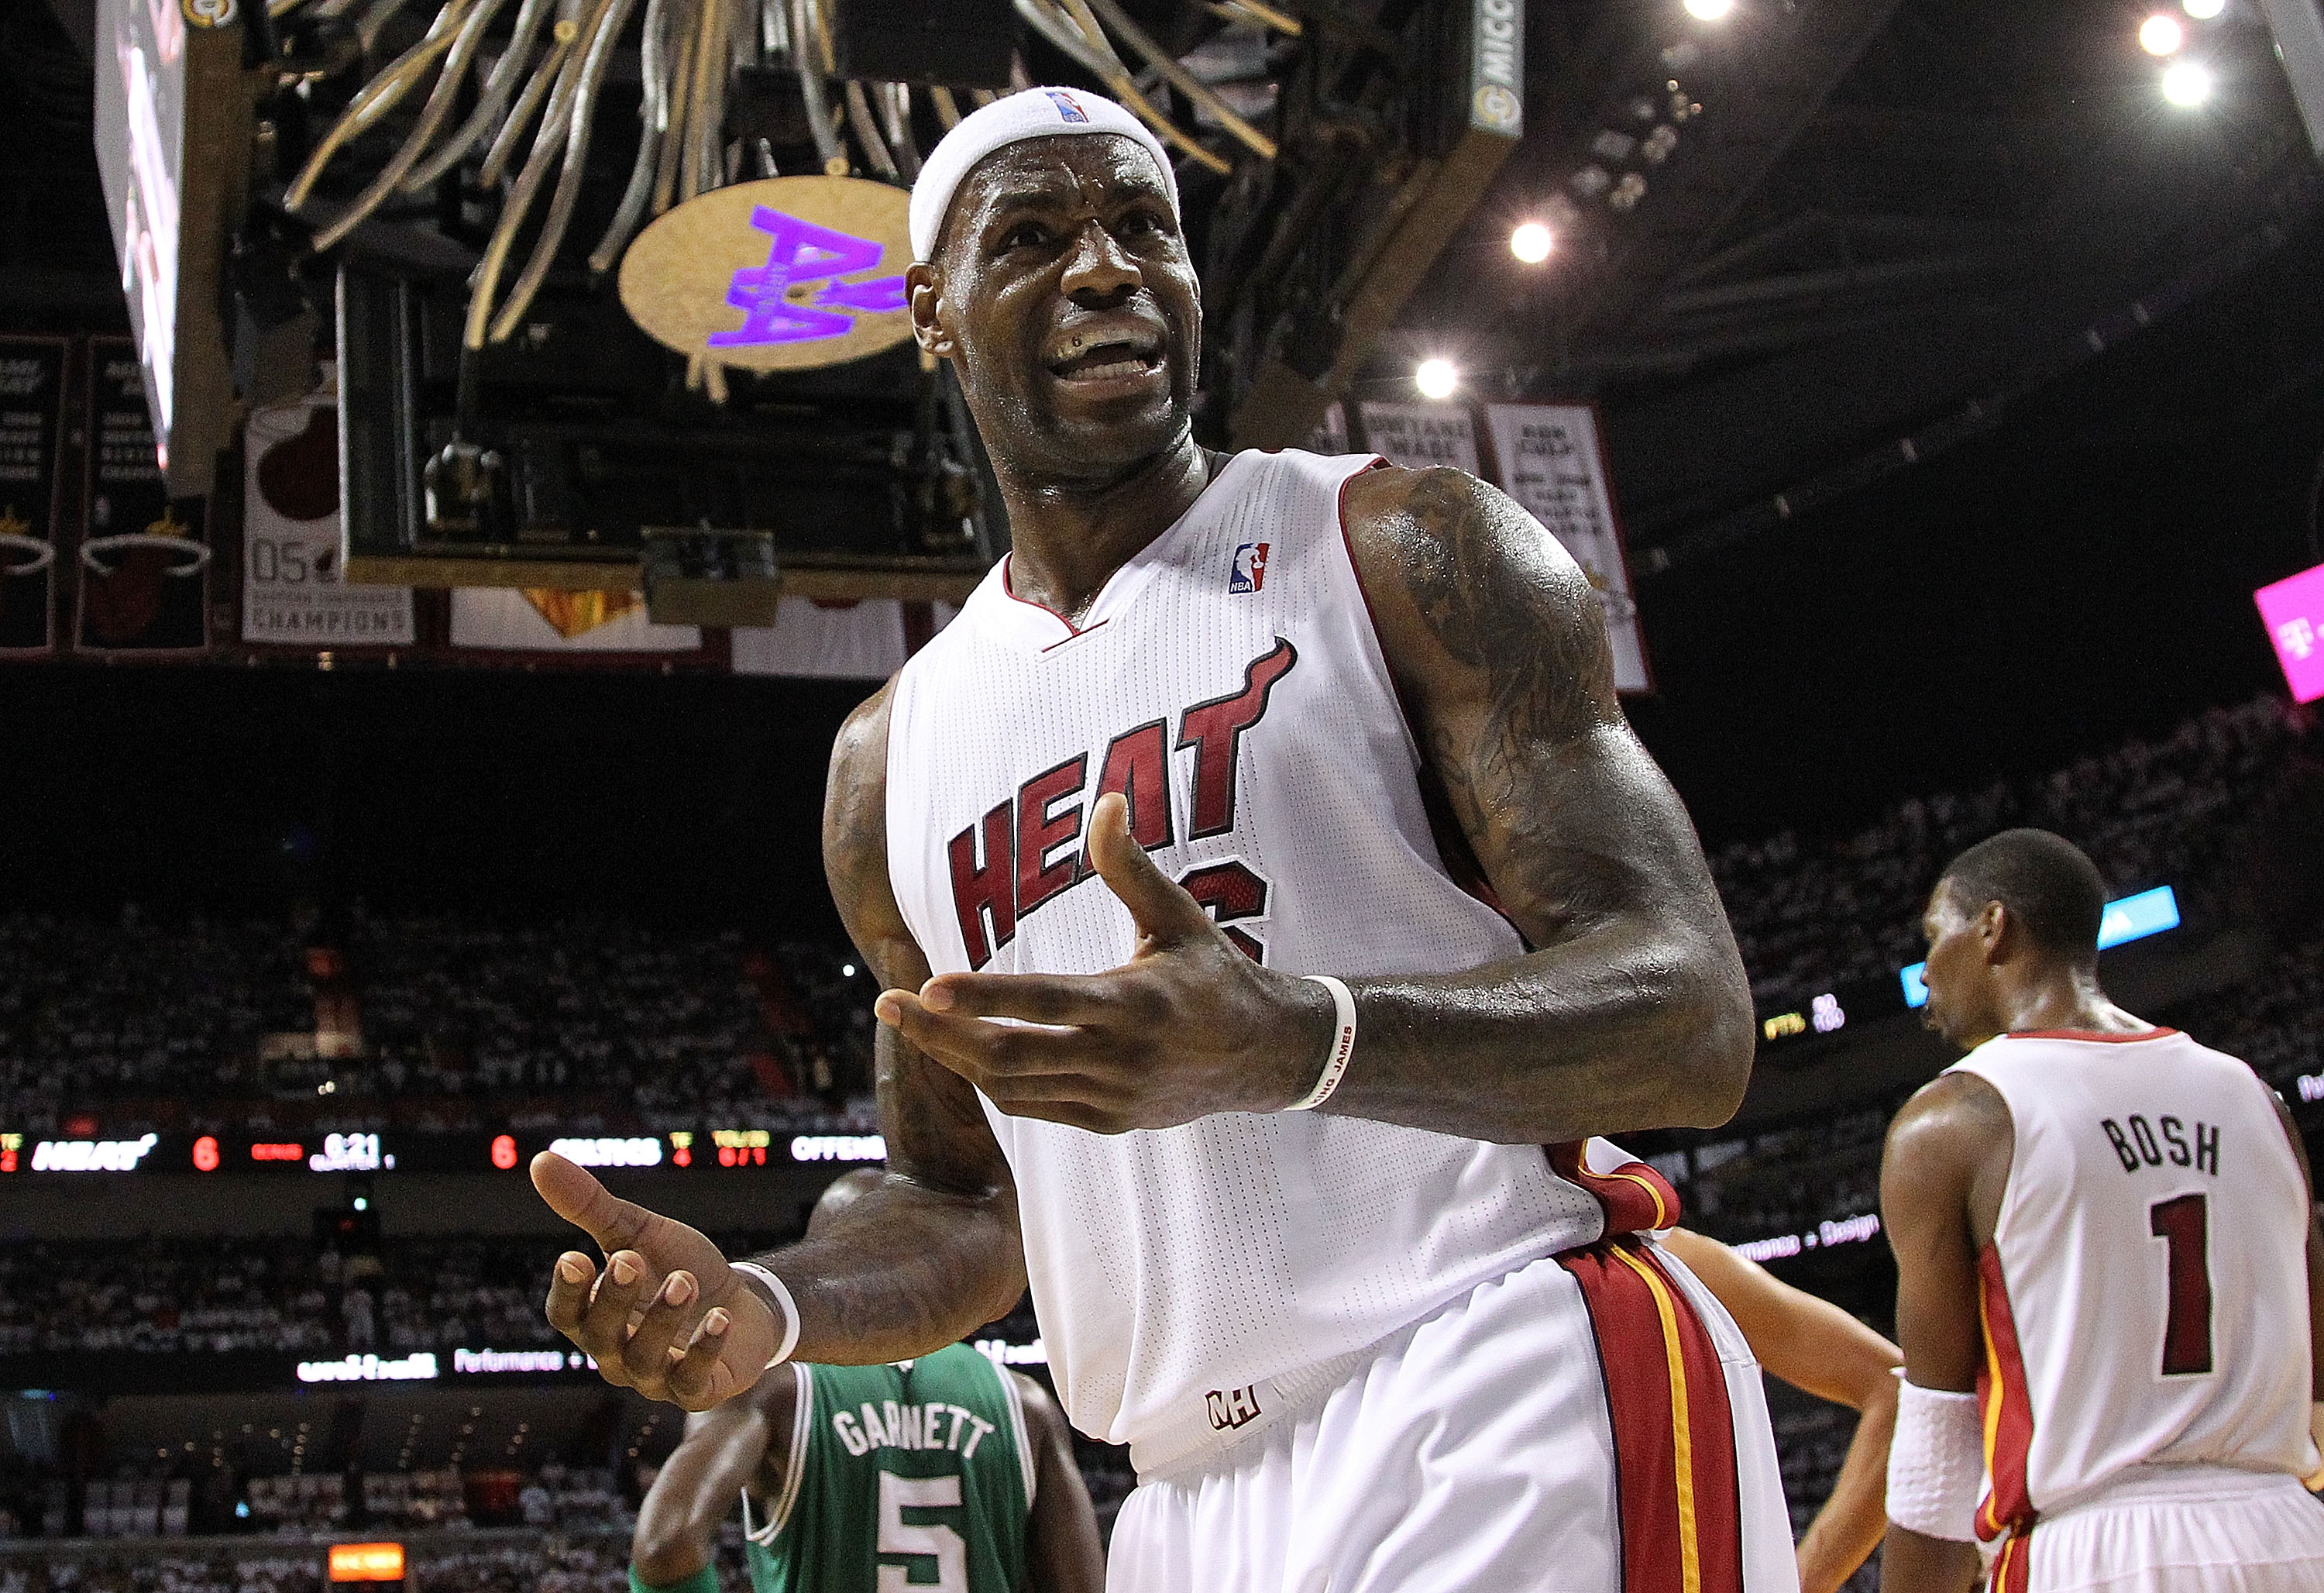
382	12
653	125
702	166
1180	78
867	132
447	93
538	87
1117	78
519	202
1067	39
819	122
611	17
1251	10
377	98
500	83
680	60
896	119
531	129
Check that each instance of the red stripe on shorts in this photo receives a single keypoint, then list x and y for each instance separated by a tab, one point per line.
2007	1409
1635	1198
1677	1495
2010	1567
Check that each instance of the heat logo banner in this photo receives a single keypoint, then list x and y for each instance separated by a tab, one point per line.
32	425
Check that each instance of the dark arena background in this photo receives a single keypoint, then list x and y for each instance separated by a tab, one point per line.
418	672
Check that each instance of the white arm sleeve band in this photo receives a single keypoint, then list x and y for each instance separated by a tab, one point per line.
1936	1464
783	1303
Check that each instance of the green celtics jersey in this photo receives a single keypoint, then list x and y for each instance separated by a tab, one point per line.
918	1475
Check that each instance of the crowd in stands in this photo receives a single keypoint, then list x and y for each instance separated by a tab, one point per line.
599	1026
588	1025
1811	915
2274	1021
223	1295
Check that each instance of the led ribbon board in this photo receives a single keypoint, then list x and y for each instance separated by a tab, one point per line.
366	1562
785	274
2134	918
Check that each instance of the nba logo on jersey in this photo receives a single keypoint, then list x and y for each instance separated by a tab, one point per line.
1250	568
1067	111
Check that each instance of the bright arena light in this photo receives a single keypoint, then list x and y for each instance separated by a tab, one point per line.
1531	242
2203	11
1709	11
1436	378
2186	83
2160	33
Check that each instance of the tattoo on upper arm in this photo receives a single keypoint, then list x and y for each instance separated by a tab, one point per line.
1498	602
1522	622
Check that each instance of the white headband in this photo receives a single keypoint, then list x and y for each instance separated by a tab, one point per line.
1032	113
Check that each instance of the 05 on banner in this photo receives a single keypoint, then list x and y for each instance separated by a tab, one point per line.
292	592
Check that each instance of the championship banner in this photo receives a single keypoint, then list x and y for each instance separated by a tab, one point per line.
1418	435
544	620
32	428
867	640
143	579
1552	463
292	593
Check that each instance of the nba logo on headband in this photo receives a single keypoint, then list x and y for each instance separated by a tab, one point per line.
1066	109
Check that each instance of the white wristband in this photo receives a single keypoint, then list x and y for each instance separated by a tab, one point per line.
1343	1044
1936	1463
782	1294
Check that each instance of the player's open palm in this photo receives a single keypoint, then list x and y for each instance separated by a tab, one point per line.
667	1316
1189	1026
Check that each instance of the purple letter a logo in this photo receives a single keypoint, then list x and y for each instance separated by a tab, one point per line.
802	252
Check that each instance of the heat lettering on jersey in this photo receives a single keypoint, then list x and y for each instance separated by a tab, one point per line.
1027	848
2139	1142
890	1426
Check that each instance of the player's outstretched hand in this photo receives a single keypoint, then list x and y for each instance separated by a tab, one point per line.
666	1316
1188	1027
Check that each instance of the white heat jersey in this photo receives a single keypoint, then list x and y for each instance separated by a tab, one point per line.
1228	681
2145	1294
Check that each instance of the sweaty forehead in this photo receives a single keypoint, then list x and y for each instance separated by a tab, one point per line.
1057	171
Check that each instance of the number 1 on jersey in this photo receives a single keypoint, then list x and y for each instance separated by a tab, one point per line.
2184	1225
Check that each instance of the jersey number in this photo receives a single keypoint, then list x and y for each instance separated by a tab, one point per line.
898	1536
1228	890
2184	1225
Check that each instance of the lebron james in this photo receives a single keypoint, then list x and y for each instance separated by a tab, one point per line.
1261	874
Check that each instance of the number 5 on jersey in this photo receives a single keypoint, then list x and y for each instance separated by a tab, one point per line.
898	1536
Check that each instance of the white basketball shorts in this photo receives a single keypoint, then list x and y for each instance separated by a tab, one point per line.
1589	1422
2176	1530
